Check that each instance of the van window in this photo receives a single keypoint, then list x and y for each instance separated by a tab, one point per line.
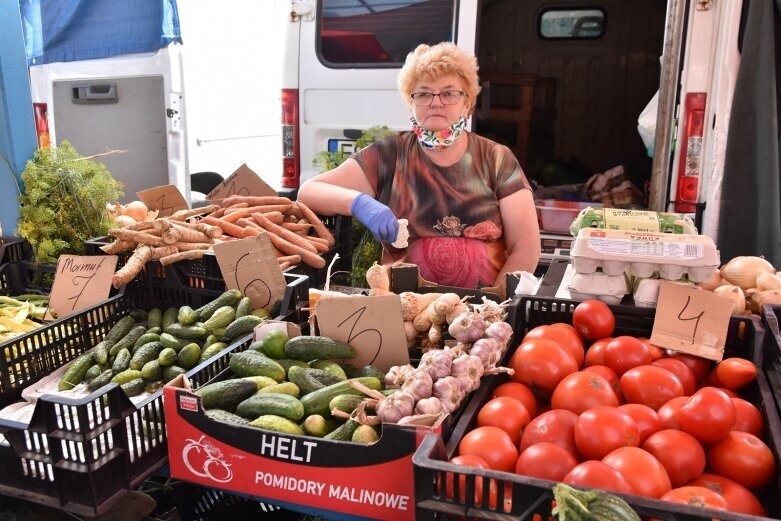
372	33
558	24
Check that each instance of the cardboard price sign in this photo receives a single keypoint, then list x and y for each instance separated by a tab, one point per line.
372	325
244	181
251	266
691	321
81	282
167	199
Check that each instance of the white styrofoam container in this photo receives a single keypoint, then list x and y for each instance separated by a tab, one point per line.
610	289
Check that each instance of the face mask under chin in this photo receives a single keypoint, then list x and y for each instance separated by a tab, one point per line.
438	140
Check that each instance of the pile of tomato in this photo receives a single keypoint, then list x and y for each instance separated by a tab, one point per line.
623	416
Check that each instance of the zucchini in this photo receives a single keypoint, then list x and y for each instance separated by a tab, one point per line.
221	318
275	423
242	326
228	298
308	348
76	371
278	404
252	363
226	394
186	316
317	402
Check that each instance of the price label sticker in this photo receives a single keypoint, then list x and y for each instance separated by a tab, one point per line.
691	321
166	199
80	282
251	266
372	325
244	181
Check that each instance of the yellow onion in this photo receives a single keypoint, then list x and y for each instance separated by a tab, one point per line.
767	281
714	282
136	209
737	296
743	271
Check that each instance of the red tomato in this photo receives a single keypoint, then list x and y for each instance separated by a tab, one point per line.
541	364
739	498
601	430
708	415
546	461
696	497
595	474
735	373
566	326
556	426
643	471
698	365
749	419
493	445
625	352
593	319
744	458
566	337
581	391
656	351
519	392
668	413
650	385
596	352
645	418
506	413
467	461
611	377
681	454
728	392
680	370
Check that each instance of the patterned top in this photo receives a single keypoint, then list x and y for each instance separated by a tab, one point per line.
453	212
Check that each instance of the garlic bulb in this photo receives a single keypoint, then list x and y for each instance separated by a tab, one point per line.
449	391
395	407
418	383
437	363
396	375
468	327
488	351
501	331
468	369
430	405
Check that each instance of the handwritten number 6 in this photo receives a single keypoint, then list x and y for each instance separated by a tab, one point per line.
696	318
353	335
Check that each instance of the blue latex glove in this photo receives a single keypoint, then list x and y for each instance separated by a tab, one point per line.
377	217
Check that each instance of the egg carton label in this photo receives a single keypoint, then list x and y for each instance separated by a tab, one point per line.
647	248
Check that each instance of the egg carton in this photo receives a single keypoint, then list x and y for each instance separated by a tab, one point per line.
645	254
610	289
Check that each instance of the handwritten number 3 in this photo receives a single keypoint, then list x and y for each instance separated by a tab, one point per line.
696	317
352	335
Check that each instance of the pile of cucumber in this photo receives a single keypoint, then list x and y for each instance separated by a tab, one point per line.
292	386
144	350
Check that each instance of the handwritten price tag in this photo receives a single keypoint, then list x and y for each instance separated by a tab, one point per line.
244	181
250	266
167	199
81	282
691	321
372	325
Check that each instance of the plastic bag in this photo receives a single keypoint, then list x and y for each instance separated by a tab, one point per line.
646	124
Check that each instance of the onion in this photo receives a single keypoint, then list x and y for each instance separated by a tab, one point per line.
736	294
123	221
767	281
136	209
743	271
714	282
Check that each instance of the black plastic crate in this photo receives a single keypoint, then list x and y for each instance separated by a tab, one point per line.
340	227
12	249
530	497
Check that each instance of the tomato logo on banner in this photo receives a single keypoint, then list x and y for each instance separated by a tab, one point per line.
207	461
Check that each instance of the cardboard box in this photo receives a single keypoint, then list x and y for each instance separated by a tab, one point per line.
406	277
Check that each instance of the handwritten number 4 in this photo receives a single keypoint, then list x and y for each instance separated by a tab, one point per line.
696	318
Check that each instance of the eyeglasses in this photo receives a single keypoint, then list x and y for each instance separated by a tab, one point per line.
448	97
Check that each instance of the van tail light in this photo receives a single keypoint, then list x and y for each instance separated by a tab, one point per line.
691	153
291	159
41	124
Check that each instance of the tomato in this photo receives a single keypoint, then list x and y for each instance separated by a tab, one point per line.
595	474
581	391
749	419
506	413
698	365
650	385
680	370
681	454
611	377
556	426
656	351
696	497
744	458
596	352
739	498
708	415
643	471
541	364
493	445
735	373
645	418
521	393
467	461
546	461
593	319
566	337
668	413
566	326
625	352
601	430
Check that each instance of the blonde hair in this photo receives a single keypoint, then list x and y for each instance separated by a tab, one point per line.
432	62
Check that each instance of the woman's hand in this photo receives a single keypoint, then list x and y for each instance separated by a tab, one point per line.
377	217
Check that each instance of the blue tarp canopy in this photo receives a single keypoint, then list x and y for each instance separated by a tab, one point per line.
70	30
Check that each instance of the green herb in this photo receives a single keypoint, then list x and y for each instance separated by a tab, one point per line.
64	201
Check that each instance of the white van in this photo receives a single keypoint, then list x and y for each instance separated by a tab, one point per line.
563	85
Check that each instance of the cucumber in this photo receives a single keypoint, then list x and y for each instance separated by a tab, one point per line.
221	318
139	315
153	387
171	341
186	316
308	348
157	330
226	394
345	403
229	298
273	344
100	352
187	332
310	380
343	432
167	357
287	363
373	370
120	329
226	417
189	355
271	422
99	381
332	367
171	372
144	354
75	372
261	381
316	425
169	317
242	326
154	318
122	361
244	307
278	404
212	350
126	376
92	373
133	387
211	339
252	363
284	388
365	434
317	402
152	371
145	339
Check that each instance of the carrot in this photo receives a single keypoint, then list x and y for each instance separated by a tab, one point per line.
229	228
284	265
235	215
275	217
234	206
294	212
133	267
248	223
183	215
320	229
183	255
219	213
285	234
292	259
137	237
309	258
255	200
296	227
321	247
118	246
163	251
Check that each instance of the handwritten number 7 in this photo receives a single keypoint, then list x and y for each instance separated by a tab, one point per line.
696	318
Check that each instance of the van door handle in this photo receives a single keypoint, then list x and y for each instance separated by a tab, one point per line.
352	133
94	93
